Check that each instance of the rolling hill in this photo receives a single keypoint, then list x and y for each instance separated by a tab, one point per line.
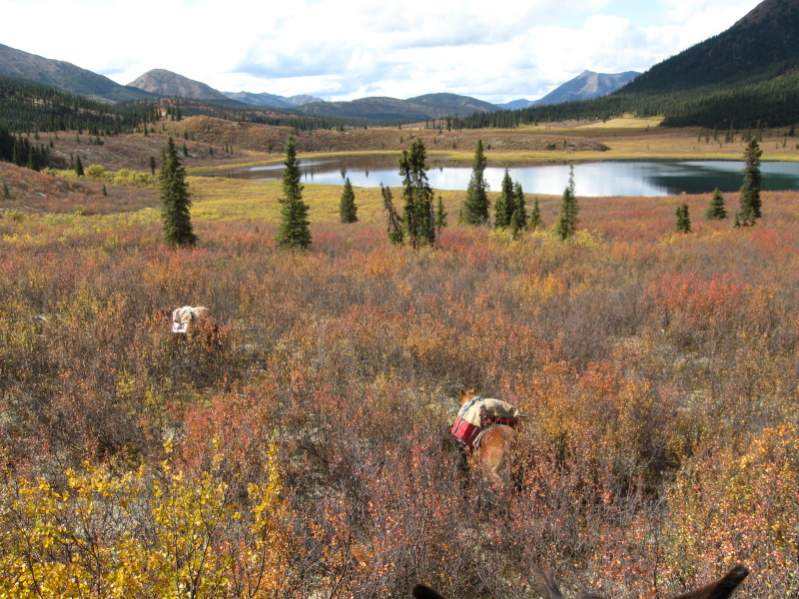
265	100
161	82
516	104
65	76
393	110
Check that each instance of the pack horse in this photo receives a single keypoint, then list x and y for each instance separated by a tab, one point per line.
485	429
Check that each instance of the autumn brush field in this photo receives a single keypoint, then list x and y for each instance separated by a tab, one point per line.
298	451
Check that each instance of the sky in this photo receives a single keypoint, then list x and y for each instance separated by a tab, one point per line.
495	50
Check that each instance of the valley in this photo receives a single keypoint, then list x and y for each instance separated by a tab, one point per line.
247	339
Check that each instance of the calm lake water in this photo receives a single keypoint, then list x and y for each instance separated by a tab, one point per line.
593	179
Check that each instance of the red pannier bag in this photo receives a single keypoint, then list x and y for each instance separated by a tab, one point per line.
463	431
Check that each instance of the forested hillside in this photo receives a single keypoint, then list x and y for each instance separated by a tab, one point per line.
28	107
746	77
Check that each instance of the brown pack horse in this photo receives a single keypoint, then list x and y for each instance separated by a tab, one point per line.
721	589
493	455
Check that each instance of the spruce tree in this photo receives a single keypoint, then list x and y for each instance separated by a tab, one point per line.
567	225
6	191
153	165
105	191
683	219
750	209
347	208
717	209
175	202
441	215
395	229
78	166
475	207
294	231
418	195
520	207
535	216
506	204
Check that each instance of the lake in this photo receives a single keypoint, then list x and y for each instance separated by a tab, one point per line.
593	179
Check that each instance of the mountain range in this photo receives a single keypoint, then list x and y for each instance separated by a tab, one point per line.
377	109
747	76
162	83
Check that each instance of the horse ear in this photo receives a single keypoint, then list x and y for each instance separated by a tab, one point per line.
550	585
552	591
422	592
721	589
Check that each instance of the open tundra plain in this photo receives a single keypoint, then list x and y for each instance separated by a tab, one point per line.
298	446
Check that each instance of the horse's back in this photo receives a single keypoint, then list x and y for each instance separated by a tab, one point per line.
493	454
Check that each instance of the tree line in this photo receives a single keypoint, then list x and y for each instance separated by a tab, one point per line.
27	107
19	150
770	103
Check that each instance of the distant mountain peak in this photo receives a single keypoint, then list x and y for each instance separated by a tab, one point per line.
162	82
587	86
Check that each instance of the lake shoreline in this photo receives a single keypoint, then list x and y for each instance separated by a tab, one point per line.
594	178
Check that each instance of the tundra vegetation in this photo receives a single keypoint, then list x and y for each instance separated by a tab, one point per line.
294	449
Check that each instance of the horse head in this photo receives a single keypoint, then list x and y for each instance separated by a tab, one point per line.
721	589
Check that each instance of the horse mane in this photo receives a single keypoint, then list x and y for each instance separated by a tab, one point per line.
721	589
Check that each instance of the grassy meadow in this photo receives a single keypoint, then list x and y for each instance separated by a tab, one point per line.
299	448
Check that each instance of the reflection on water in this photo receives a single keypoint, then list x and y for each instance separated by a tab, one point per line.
594	179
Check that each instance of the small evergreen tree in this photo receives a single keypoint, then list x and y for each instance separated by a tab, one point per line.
185	151
395	229
717	209
175	201
78	166
441	215
6	191
105	191
520	208
153	165
506	203
347	208
475	207
418	195
294	231
683	219
535	216
567	225
750	209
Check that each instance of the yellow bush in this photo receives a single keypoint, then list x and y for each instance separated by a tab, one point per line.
143	533
95	171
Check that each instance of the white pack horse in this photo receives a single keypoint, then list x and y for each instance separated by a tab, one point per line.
187	317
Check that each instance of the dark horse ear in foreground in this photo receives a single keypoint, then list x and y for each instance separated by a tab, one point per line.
422	592
721	589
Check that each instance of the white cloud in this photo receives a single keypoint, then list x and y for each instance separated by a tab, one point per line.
499	50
